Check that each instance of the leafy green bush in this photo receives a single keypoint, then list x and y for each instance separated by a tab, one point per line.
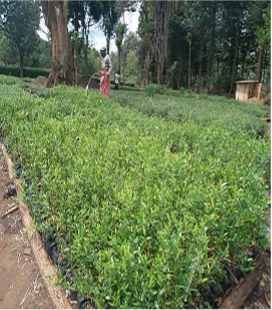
153	89
148	213
204	109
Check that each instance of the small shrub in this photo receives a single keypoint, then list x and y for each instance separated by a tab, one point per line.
153	89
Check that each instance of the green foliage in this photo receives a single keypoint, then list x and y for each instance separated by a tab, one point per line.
264	32
213	25
20	20
182	106
120	33
94	62
147	212
42	55
128	58
40	58
153	89
77	43
8	52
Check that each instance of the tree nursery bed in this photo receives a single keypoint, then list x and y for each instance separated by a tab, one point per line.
140	209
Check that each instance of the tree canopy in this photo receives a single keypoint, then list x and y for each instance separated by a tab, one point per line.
263	32
19	22
199	45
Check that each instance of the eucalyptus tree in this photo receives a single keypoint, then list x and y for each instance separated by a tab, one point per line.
120	33
161	21
146	32
83	15
110	20
193	22
56	18
179	46
241	21
263	35
154	27
264	31
112	12
129	47
20	21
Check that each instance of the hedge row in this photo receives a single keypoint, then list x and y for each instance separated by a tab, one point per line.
28	72
35	72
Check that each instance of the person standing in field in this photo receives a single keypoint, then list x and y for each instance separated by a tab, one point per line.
117	80
105	72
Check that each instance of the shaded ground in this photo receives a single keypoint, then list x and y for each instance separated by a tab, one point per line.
261	297
92	83
21	283
40	81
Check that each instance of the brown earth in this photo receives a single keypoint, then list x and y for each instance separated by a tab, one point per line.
267	100
261	296
21	283
92	83
40	82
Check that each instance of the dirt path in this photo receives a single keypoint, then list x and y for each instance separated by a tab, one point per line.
21	283
261	296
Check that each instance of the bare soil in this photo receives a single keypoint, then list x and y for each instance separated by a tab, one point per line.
253	291
87	80
261	296
267	100
40	81
92	83
21	283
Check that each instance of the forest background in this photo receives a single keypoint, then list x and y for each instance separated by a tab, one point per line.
203	46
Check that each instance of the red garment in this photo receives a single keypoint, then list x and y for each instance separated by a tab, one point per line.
105	83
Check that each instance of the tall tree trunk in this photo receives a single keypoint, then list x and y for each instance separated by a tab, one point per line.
243	60
234	61
108	37
21	64
259	65
124	66
119	58
147	63
62	70
189	63
85	49
200	60
161	20
147	45
211	53
179	75
267	66
86	56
